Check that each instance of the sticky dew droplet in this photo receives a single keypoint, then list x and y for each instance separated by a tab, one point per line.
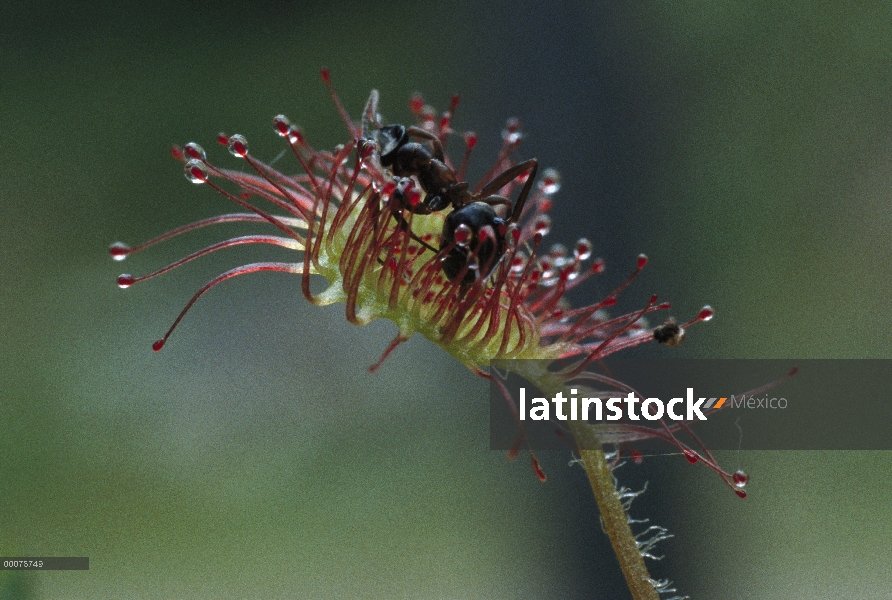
583	249
416	103
295	137
282	125
194	151
462	235
195	171
119	250
238	146
542	225
551	182
598	266
512	235
557	252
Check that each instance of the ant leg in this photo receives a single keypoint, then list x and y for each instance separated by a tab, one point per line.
404	225
496	200
427	135
502	180
371	120
521	200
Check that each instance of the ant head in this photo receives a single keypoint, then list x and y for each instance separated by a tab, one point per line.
475	236
389	139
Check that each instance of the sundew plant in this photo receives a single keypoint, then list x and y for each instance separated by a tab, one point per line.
388	220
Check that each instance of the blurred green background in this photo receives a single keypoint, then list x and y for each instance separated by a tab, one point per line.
745	147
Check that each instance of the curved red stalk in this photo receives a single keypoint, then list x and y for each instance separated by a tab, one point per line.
243	270
237	241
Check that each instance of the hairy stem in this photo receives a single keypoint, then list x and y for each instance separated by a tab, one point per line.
613	515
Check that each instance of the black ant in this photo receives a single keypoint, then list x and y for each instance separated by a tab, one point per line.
473	233
405	159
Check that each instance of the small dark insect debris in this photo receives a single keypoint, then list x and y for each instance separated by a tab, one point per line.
669	333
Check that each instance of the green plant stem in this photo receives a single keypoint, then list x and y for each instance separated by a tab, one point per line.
613	515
